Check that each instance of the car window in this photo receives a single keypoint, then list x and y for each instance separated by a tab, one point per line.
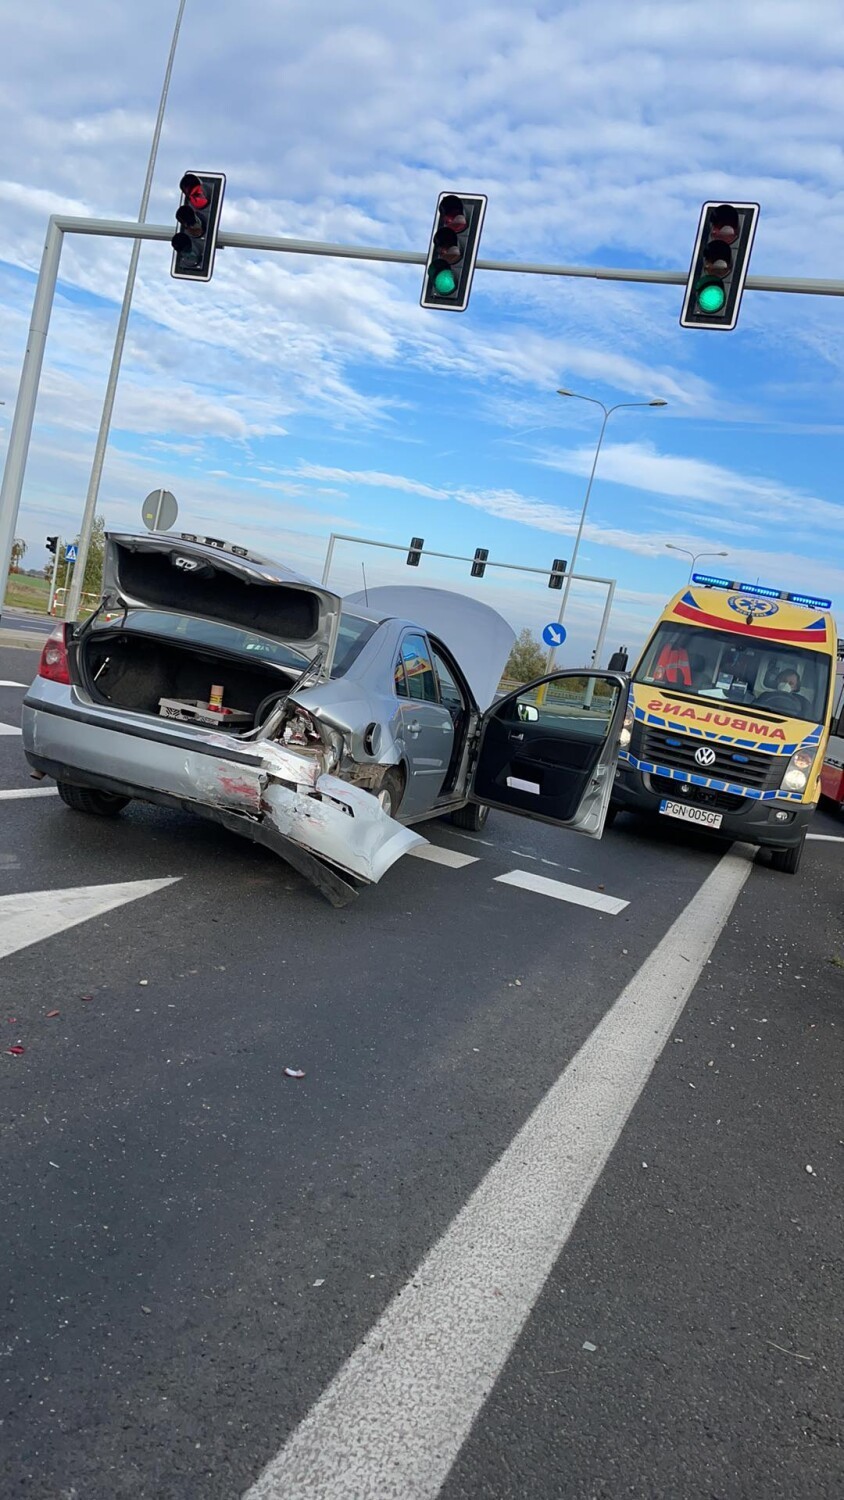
580	707
740	669
401	680
450	693
419	669
211	634
353	633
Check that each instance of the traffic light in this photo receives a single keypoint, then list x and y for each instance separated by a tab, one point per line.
479	565
558	569
413	556
198	216
455	239
52	543
719	265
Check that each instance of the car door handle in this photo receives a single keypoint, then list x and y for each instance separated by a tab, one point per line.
447	728
514	736
414	727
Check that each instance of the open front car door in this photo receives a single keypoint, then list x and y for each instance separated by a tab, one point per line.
549	750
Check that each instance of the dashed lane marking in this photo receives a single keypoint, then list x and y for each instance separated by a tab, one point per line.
10	729
561	891
7	682
437	854
827	838
29	791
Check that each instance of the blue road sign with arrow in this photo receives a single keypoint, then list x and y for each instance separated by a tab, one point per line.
554	634
71	552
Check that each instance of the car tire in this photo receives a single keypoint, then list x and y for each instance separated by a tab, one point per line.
88	799
787	861
389	791
473	816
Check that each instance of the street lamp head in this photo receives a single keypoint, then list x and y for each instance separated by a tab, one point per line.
658	402
565	393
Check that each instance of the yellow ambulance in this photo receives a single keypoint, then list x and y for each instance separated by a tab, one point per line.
729	713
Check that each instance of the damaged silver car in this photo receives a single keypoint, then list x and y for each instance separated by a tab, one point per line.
216	681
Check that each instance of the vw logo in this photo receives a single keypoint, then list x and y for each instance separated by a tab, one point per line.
705	756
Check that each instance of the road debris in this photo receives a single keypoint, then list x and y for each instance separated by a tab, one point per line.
811	1171
51	1014
293	1073
590	1348
807	1358
16	1051
321	1281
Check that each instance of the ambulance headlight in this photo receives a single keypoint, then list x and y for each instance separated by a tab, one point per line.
626	730
797	771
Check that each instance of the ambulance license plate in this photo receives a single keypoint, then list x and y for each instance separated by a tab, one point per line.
689	814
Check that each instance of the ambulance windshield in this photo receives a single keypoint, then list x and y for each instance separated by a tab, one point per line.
714	664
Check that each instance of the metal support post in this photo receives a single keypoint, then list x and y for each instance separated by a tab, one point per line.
18	449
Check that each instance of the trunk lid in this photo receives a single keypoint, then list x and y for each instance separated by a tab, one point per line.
214	580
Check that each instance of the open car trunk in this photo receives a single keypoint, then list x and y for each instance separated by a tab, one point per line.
150	675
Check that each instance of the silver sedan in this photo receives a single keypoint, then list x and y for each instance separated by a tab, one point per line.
217	681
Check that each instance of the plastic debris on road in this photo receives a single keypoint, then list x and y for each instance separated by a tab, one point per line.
293	1073
51	1014
18	1051
590	1348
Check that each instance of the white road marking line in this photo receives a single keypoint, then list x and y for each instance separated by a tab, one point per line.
487	843
30	916
437	854
562	891
521	854
30	791
394	1418
827	838
7	682
10	729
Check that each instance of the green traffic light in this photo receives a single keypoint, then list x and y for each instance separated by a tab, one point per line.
711	297
444	283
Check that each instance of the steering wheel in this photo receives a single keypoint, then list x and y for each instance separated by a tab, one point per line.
781	703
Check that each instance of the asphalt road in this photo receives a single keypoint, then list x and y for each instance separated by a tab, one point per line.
195	1243
24	620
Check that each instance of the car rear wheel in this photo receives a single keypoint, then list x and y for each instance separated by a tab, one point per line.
787	861
88	799
389	791
473	816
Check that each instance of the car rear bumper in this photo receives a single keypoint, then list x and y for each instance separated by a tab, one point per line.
775	824
274	796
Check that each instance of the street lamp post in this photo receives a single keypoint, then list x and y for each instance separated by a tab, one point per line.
608	411
694	555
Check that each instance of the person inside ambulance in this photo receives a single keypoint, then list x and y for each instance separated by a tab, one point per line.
786	697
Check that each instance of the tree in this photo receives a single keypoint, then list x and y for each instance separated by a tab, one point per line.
526	660
94	566
18	552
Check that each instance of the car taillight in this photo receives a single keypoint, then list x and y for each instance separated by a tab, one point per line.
54	664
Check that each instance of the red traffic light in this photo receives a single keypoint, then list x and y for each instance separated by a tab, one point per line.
453	214
194	190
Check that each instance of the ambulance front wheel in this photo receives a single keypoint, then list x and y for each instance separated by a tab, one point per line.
787	861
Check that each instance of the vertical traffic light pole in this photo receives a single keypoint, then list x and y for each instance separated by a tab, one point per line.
75	594
18	447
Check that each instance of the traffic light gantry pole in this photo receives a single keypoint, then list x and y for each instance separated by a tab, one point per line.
60	225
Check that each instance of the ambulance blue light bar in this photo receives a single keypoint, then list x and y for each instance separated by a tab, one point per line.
709	581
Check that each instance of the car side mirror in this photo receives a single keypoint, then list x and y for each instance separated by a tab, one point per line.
527	713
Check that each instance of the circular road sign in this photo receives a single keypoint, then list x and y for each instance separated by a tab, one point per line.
159	510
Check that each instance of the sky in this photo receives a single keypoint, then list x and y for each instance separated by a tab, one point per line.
296	396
